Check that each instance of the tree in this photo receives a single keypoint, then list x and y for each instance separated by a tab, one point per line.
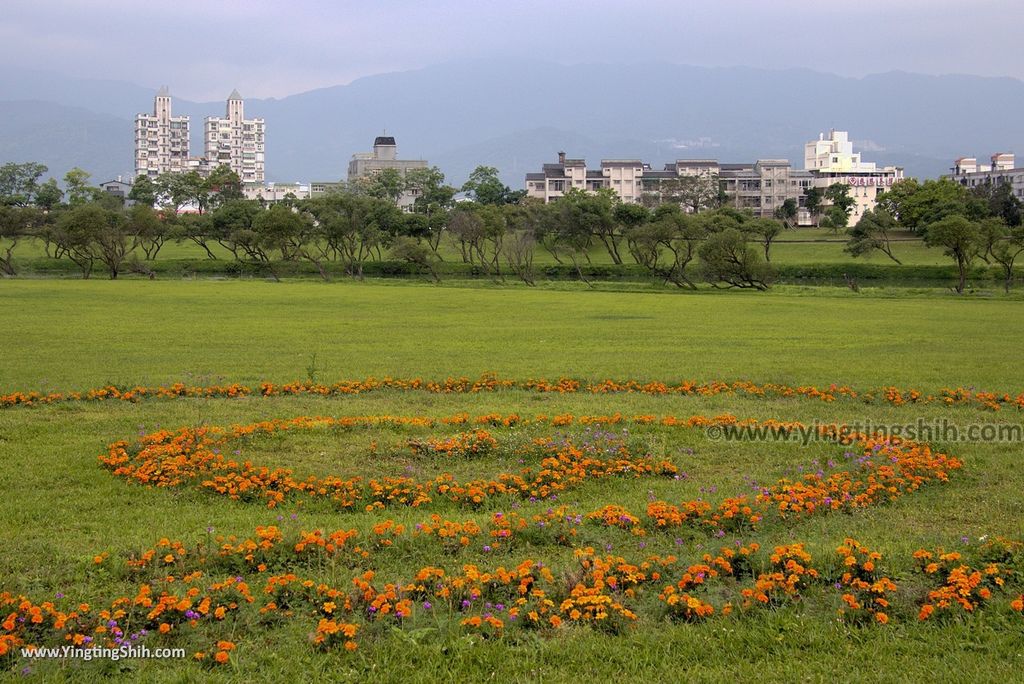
285	230
385	184
222	185
959	238
410	251
1006	251
726	257
19	183
149	227
48	195
698	192
813	200
352	227
872	232
485	187
667	244
433	200
764	231
915	206
572	225
1000	201
144	191
627	217
16	224
78	189
840	206
788	212
231	225
89	233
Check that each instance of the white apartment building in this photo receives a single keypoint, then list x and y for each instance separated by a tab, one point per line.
832	160
1002	169
161	139
236	141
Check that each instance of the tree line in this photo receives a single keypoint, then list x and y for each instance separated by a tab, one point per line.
496	230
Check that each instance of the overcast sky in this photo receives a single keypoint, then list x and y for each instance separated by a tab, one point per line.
204	48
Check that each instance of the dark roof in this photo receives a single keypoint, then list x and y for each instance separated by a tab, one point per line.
534	176
735	167
554	171
668	173
694	162
621	162
594	174
383	140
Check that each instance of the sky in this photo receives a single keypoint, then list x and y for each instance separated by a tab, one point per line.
204	48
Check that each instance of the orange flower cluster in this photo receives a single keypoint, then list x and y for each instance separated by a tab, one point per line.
194	455
614	515
491	383
462	445
791	573
866	589
963	587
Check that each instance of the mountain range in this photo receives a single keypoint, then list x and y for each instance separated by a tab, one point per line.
517	115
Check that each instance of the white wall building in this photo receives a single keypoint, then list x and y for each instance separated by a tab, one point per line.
236	141
1002	169
161	139
384	156
832	160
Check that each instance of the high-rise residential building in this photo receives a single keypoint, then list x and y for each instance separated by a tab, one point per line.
161	139
235	141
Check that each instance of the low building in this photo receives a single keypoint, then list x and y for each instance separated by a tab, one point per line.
271	193
1002	169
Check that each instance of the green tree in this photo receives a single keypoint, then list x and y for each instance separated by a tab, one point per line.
17	224
960	239
20	182
727	259
485	187
222	185
411	251
144	191
1000	201
49	195
814	199
1006	251
149	228
840	206
388	184
872	232
76	181
89	233
764	231
667	244
788	212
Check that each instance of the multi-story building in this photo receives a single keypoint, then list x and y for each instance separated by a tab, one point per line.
384	156
235	141
1002	169
161	139
761	187
832	160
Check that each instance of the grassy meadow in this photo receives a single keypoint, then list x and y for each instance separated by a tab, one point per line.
61	508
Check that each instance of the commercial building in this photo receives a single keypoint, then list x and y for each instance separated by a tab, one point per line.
235	141
161	139
1002	169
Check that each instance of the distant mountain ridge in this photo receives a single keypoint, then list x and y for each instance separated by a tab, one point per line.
516	116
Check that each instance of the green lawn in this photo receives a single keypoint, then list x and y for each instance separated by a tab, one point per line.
61	508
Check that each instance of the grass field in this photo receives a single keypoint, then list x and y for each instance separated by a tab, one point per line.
61	508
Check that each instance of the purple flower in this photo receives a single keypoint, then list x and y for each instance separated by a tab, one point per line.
426	605
59	595
487	548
